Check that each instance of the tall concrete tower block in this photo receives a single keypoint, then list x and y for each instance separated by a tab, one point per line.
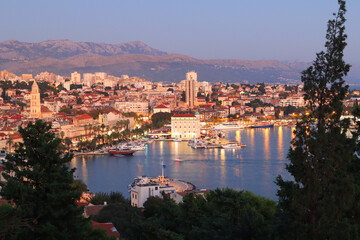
190	88
35	106
75	78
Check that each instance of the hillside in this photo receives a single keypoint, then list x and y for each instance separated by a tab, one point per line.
138	59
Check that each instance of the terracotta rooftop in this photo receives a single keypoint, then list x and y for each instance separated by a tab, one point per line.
93	209
83	117
161	106
184	115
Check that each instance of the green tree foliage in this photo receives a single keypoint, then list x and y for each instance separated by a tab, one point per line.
257	103
322	201
66	110
235	103
262	88
235	86
39	183
207	98
112	198
283	95
124	217
160	119
79	185
183	96
10	222
221	214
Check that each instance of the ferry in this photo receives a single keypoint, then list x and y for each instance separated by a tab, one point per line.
228	126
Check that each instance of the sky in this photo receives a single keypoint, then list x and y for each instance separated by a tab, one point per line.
237	29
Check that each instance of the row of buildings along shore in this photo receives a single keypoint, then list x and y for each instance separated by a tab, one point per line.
77	104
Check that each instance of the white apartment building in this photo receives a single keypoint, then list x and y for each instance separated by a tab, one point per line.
88	79
293	101
102	75
140	107
142	191
185	126
75	78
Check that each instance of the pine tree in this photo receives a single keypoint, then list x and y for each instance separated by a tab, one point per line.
321	202
39	183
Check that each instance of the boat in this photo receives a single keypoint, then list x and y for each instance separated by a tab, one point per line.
228	126
176	140
233	146
178	160
133	146
198	144
121	151
262	125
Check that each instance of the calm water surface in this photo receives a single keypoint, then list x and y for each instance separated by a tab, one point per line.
253	168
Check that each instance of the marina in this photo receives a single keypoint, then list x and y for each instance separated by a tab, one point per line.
252	168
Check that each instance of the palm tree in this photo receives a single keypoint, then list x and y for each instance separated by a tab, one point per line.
127	122
90	129
68	142
102	128
86	128
10	142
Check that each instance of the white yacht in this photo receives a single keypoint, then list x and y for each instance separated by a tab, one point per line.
233	146
228	126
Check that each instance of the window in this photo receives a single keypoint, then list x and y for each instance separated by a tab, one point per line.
156	188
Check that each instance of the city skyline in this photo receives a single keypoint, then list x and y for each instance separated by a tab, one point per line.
242	30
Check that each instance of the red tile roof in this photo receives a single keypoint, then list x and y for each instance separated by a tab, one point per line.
83	117
184	115
108	227
161	106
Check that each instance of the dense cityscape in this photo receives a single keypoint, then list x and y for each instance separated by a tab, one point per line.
82	104
94	144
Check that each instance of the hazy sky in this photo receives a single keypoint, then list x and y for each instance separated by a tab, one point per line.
244	29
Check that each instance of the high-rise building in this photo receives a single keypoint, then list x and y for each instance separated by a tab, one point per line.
35	106
190	88
102	75
75	78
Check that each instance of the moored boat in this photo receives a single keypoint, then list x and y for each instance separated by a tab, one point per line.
262	125
121	151
233	146
228	126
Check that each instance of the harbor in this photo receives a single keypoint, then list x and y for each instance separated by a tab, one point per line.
253	168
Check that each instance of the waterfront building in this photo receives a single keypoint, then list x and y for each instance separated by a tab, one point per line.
190	88
35	106
185	126
140	192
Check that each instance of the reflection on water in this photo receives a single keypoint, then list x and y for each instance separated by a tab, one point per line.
253	168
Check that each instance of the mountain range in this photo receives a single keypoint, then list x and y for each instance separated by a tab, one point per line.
138	59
